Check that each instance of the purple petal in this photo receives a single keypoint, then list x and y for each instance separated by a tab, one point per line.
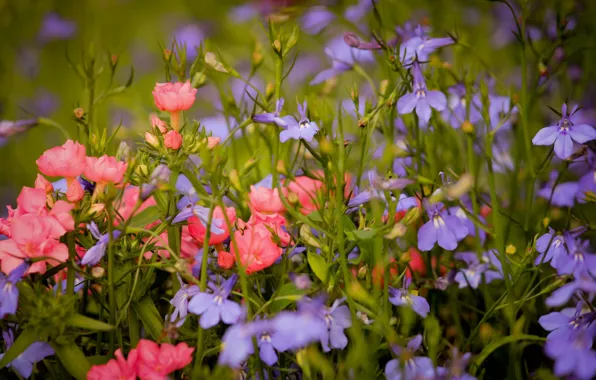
200	303
337	337
427	236
407	103
268	354
230	312
582	133
561	295
423	110
323	76
546	136
564	146
436	99
553	321
210	317
446	238
420	306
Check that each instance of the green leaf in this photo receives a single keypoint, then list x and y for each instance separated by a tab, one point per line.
315	216
149	315
83	322
347	223
492	346
318	265
98	359
362	235
284	297
24	340
73	359
145	217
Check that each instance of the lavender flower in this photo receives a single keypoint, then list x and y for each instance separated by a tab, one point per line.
442	228
562	195
376	188
191	36
188	192
500	112
408	366
455	368
468	223
159	177
273	117
337	318
215	306
586	187
202	213
343	58
237	342
9	293
584	282
565	134
294	330
180	302
421	99
95	253
11	128
315	19
456	111
488	266
23	364
573	354
421	46
55	27
551	246
402	297
578	260
566	321
303	129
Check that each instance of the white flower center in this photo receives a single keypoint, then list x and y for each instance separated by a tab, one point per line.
438	221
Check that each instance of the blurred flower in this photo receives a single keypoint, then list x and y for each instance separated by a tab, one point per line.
468	223
68	160
54	27
337	318
273	117
255	247
408	366
9	293
191	36
421	99
563	195
105	169
303	129
95	253
488	267
551	246
24	362
237	344
343	58
118	368
573	354
565	134
11	128
402	297
173	140
442	228
215	306
220	231
421	46
180	302
315	19
157	361
294	330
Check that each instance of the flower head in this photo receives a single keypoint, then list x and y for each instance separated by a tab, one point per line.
197	224
442	228
407	365
105	169
215	306
565	134
402	297
118	368
9	293
174	97
302	129
23	364
157	361
273	117
95	253
255	247
421	99
67	160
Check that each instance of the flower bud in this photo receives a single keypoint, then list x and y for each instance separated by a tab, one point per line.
124	151
511	249
42	183
211	61
212	142
79	113
467	127
269	90
75	192
225	260
173	140
351	39
98	272
151	139
157	123
277	46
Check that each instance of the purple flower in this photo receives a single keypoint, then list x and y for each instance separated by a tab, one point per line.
564	134
315	19
355	12
180	302
55	27
159	177
573	354
191	36
95	253
11	128
583	282
402	297
376	188
273	117
215	306
468	223
456	110
578	260
303	129
294	330
409	366
488	266
237	343
587	187
302	281
500	112
189	194
563	195
421	99
551	246
343	58
9	293
337	318
220	127
566	321
421	46
442	228
23	364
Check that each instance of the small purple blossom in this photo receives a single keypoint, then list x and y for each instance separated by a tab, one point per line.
9	293
421	46
442	228
343	58
294	330
337	318
563	194
95	253
215	306
11	128
488	267
237	343
202	213
54	27
408	366
468	223
551	246
578	260
180	302
573	354
188	192
565	134
23	364
303	129
316	18
273	117
421	99
402	297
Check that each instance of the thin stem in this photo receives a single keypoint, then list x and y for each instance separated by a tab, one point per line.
111	288
72	254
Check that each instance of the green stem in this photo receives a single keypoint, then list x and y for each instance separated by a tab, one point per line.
111	281
72	254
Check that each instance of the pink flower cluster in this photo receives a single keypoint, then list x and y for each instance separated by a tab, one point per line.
148	361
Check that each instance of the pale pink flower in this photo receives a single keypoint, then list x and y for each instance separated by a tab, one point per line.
42	183
225	260
255	247
174	97
265	203
212	142
158	124
308	191
75	192
156	362
67	160
116	369
105	169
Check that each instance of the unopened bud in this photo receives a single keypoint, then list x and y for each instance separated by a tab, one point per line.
277	46
510	250
269	90
142	170
351	39
546	221
398	230
326	146
79	113
123	152
98	272
384	86
151	139
461	187
211	61
167	54
467	127
362	272
114	59
235	179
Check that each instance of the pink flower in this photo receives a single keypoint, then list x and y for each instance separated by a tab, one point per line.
31	238
105	169
174	97
116	369
127	205
212	142
156	362
265	202
256	248
307	191
75	192
159	124
225	260
188	246
67	160
31	200
42	183
173	140
197	229
59	219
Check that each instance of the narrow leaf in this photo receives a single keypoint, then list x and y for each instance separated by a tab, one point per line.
73	359
24	340
83	322
318	265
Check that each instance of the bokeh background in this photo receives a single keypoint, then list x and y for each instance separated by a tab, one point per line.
36	80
